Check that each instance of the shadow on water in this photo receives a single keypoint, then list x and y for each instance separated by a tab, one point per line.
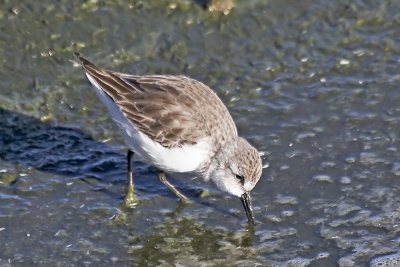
27	141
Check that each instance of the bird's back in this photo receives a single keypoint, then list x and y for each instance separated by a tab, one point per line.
173	111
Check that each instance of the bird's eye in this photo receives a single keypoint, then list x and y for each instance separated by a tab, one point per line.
240	178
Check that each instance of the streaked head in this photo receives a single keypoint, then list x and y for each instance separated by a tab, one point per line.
237	172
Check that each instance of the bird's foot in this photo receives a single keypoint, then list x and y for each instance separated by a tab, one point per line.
130	200
184	200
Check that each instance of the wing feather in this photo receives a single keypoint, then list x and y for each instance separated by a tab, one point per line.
172	110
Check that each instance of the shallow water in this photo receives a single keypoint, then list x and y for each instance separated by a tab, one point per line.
314	85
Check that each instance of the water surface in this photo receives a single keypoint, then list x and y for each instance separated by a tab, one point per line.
314	85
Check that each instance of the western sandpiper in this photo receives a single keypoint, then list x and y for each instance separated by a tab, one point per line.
178	125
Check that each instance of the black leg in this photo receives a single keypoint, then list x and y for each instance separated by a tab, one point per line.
130	198
130	171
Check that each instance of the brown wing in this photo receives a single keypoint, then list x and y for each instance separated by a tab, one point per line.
172	110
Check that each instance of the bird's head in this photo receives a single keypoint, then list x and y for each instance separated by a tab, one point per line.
237	171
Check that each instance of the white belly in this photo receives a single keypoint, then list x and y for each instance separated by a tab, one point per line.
181	159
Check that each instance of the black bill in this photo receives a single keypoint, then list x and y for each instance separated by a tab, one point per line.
246	200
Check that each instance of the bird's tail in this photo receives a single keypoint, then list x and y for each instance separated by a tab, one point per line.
84	62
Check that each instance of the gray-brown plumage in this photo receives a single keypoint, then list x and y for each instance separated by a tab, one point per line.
171	110
179	124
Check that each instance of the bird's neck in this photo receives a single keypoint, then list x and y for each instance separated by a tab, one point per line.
219	158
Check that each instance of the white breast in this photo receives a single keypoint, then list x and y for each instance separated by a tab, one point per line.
187	158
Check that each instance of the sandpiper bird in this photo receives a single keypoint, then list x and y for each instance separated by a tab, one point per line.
178	125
